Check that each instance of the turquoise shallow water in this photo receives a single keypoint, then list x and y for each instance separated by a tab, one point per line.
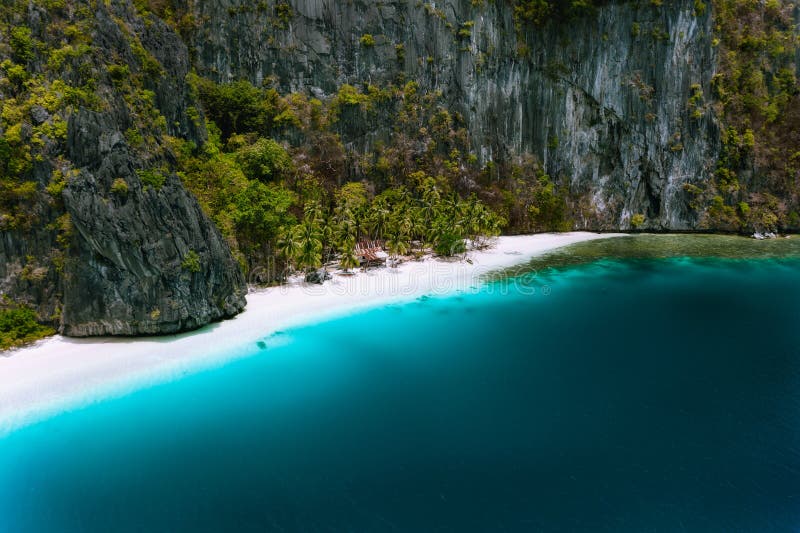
656	394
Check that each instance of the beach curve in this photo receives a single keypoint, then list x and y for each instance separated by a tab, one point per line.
60	374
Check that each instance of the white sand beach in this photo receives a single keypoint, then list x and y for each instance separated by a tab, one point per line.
60	373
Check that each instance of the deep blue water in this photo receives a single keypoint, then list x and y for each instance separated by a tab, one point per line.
637	395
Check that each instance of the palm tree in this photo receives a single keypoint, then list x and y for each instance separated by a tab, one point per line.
346	228
397	244
418	223
288	245
327	231
486	225
430	194
348	258
405	222
309	237
378	218
312	211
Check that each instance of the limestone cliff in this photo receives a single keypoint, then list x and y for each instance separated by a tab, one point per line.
108	242
615	104
631	114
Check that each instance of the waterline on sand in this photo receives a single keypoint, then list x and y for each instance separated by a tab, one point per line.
61	374
641	394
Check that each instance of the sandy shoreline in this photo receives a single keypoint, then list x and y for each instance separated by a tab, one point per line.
59	373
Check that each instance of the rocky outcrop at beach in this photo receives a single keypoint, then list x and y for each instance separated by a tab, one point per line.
111	243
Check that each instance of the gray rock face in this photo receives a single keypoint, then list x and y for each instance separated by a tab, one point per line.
39	114
129	270
604	103
140	258
616	105
318	276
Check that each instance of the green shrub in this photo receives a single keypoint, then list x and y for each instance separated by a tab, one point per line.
699	8
237	107
265	160
5	154
149	65
744	209
367	40
153	177
22	44
260	210
538	12
191	262
19	326
120	187
449	244
283	11
119	73
349	95
17	74
550	206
